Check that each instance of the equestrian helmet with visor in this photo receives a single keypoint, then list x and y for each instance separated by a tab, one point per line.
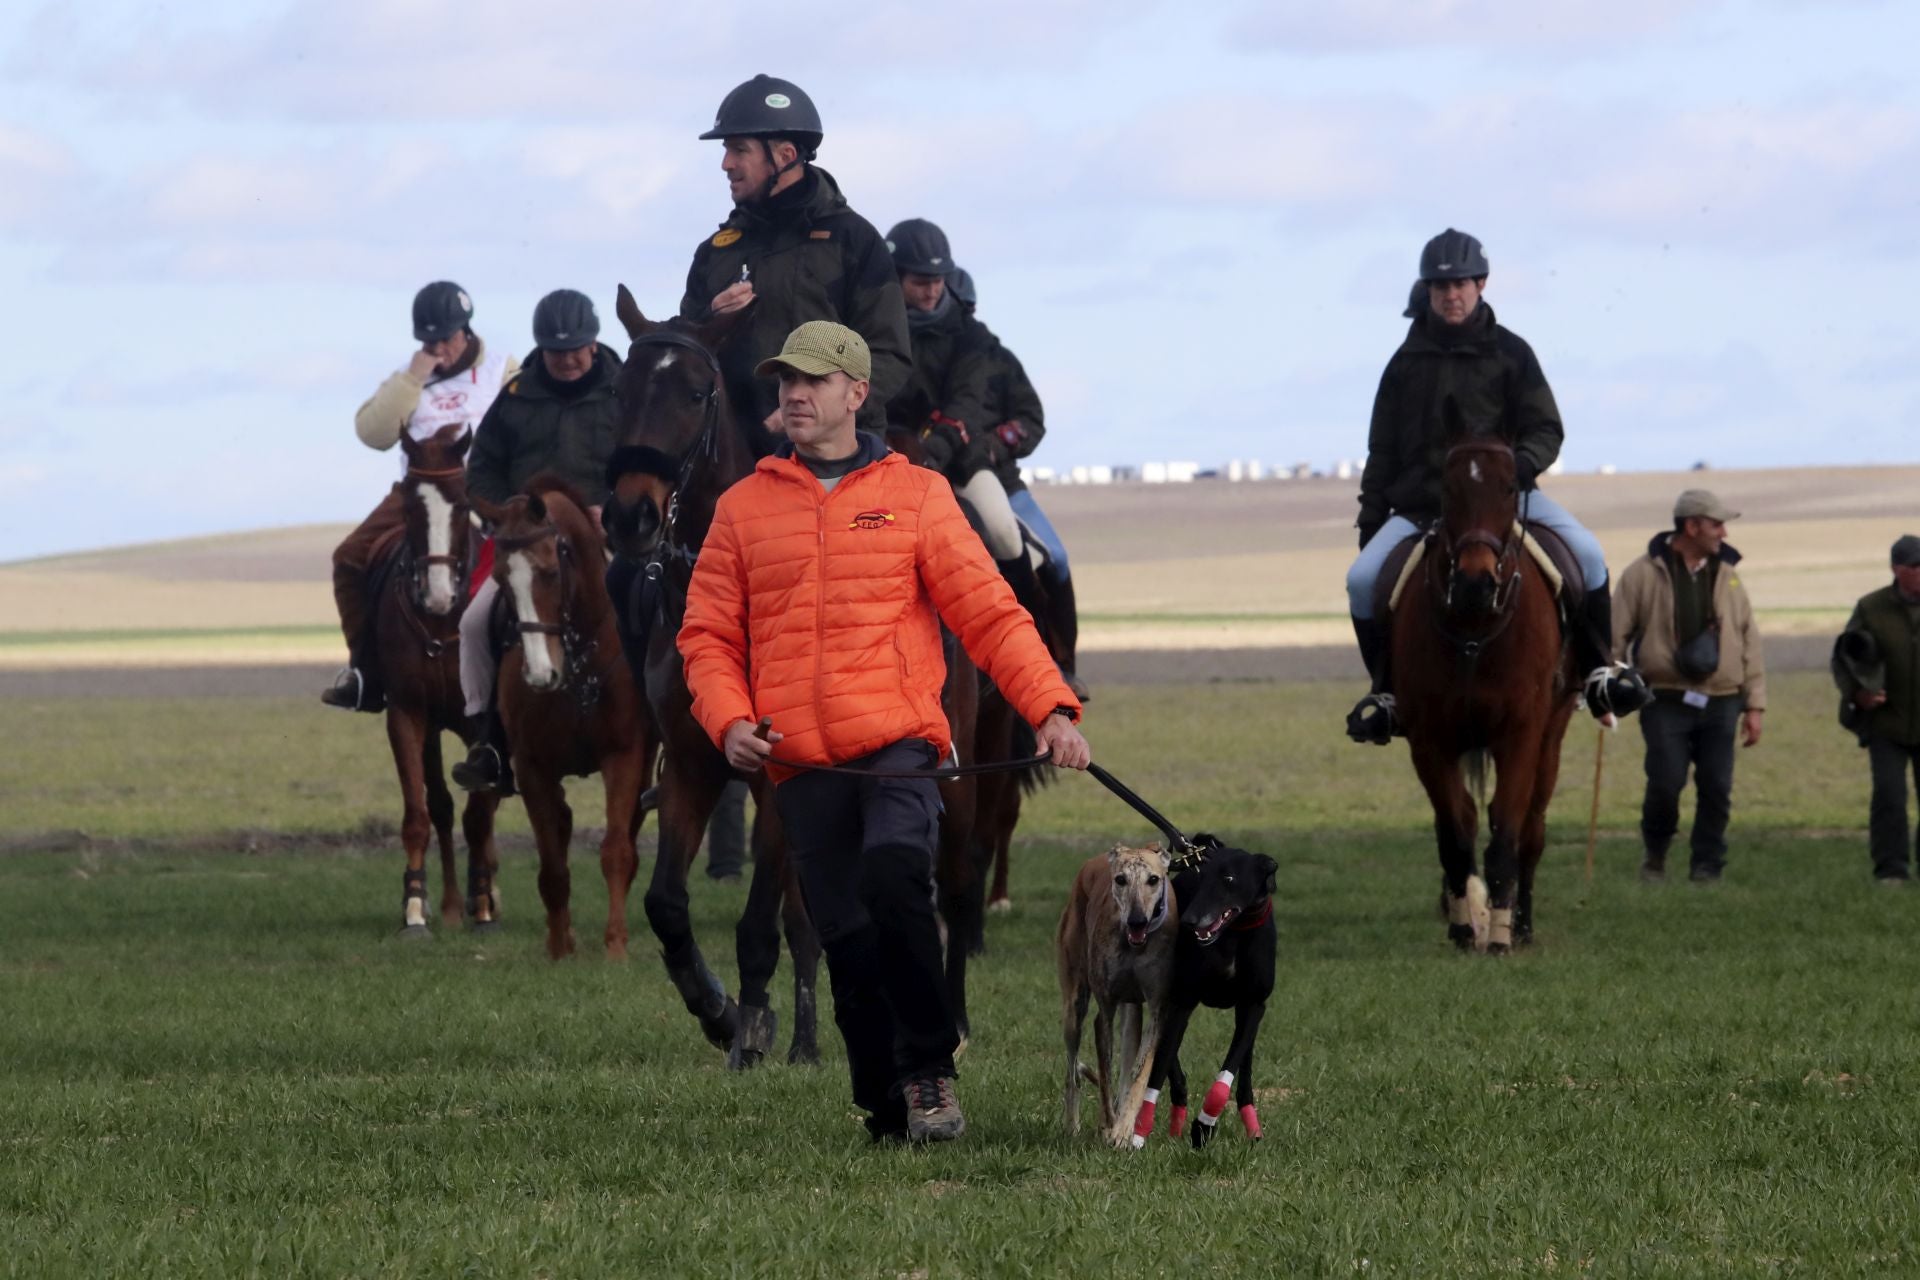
1453	255
919	248
564	320
769	107
440	310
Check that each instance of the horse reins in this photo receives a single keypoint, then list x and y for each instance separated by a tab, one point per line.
705	446
577	649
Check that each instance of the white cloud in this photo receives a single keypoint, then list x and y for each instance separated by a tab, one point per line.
1359	26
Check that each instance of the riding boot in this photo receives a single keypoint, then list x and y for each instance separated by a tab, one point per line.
1064	616
1612	688
489	763
1372	719
357	686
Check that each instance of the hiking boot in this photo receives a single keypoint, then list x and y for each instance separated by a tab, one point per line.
933	1112
1373	720
1653	870
351	692
1615	690
1704	877
1890	882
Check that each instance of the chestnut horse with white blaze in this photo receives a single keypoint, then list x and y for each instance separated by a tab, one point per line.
567	699
420	591
1483	670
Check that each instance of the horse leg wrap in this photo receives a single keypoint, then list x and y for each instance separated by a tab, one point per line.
1251	1119
1500	931
1457	910
1143	1123
414	894
754	1040
1177	1122
1216	1099
479	894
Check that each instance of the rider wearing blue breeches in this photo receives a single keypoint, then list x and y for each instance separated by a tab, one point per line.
1455	350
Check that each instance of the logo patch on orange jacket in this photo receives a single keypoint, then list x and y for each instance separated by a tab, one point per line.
871	520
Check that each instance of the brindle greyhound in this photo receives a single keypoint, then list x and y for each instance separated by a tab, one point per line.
1111	946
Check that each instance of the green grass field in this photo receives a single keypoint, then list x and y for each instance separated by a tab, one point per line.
220	1062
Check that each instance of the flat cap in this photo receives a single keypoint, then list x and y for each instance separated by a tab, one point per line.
1700	502
818	348
1906	552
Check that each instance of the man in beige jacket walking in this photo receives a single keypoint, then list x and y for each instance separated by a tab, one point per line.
1684	619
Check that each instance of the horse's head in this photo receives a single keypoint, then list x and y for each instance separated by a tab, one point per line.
545	550
673	411
906	443
1479	502
435	493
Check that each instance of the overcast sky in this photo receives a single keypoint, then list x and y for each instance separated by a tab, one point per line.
1197	231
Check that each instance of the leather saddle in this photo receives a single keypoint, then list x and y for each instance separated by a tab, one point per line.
1545	548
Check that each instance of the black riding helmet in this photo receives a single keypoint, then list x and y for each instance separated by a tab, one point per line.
919	248
564	320
1453	255
1417	300
440	310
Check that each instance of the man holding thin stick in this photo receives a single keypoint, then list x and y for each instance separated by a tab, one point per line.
816	607
1686	621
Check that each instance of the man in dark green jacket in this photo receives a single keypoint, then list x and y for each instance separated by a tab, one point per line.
558	414
1456	351
1891	724
795	249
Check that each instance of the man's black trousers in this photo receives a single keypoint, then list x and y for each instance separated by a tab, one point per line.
864	850
1680	737
1887	817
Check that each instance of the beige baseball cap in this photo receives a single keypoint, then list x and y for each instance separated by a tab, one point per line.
1701	503
818	348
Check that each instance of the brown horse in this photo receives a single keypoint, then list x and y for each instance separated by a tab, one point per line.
419	592
680	448
1483	670
567	699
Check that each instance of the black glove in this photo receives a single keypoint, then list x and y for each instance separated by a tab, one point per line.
1525	474
936	450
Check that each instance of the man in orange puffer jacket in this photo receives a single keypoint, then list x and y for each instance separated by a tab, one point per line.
817	603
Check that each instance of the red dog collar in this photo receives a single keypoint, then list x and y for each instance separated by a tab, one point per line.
1254	919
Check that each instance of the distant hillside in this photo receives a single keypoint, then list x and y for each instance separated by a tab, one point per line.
1190	565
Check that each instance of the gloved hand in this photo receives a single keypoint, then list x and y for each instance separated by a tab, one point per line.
940	444
1525	474
1012	435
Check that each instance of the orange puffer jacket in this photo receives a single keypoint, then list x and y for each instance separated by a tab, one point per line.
819	610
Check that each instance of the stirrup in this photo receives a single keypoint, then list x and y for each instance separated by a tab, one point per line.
348	691
1616	690
482	770
1375	720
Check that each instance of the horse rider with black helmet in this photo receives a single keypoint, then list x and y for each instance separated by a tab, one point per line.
1017	424
1455	350
558	415
451	378
793	247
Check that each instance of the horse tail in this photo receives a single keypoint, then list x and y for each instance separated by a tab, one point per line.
1474	763
1024	745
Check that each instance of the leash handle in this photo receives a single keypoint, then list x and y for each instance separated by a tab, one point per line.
764	728
1177	843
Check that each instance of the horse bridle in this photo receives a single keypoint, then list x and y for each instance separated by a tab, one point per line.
1506	591
580	667
416	567
705	446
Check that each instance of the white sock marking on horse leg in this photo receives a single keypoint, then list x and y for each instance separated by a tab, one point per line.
1478	913
416	913
533	648
439	543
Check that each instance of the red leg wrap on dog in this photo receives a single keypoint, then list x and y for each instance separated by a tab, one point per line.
1177	1122
1251	1119
1143	1123
1216	1099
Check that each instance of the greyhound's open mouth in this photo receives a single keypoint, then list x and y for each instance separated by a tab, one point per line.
1137	934
1208	934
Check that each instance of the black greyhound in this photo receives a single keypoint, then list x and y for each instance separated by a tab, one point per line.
1224	959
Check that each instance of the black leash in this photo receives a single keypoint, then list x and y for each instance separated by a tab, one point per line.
1183	849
